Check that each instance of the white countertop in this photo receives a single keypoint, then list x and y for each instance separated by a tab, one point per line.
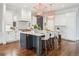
39	33
32	33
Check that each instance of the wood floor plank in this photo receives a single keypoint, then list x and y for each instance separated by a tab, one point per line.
13	49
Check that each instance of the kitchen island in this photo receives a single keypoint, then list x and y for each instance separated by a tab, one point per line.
29	40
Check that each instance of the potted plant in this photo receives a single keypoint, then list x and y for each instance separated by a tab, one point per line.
36	27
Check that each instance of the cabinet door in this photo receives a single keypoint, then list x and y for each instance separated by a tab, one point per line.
25	15
60	20
26	41
29	41
71	26
23	40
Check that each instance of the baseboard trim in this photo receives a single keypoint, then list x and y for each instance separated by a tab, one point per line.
69	40
10	42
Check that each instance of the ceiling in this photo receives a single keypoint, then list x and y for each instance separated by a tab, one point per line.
29	6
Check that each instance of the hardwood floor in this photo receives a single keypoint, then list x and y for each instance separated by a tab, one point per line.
13	49
77	48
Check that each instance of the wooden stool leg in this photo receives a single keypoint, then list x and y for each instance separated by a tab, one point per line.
59	41
45	46
53	42
42	46
49	44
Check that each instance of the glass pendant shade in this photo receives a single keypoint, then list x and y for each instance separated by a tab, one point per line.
39	8
42	9
51	12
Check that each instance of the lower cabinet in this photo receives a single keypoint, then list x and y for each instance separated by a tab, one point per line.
23	40
26	41
30	41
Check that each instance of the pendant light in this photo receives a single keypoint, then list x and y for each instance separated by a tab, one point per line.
39	9
51	12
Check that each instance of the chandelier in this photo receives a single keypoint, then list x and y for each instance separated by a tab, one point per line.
51	12
40	8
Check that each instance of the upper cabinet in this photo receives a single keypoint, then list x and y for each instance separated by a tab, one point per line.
10	15
60	20
25	15
67	23
71	26
1	13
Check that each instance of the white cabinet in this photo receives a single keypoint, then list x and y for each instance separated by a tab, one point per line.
9	20
1	18
7	16
77	25
25	15
71	26
67	23
60	20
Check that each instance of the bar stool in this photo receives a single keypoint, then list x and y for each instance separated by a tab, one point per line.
52	40
55	40
45	42
58	37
